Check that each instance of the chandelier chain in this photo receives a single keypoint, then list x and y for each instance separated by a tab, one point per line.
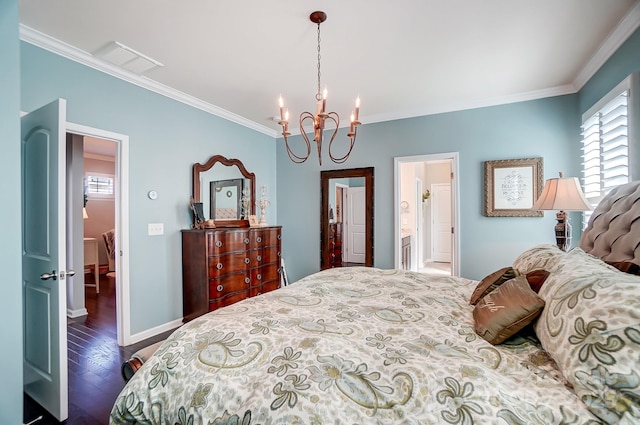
318	94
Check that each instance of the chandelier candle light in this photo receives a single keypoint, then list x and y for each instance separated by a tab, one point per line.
320	117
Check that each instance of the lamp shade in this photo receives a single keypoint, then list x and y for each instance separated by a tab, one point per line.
562	194
84	213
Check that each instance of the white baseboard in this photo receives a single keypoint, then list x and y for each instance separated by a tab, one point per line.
72	314
141	336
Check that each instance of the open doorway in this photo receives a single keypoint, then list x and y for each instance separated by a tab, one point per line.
103	157
426	211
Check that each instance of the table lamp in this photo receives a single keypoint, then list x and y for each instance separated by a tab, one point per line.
563	194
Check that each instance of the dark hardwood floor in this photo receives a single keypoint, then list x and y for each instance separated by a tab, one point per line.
94	361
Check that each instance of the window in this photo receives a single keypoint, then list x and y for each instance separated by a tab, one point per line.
606	144
98	185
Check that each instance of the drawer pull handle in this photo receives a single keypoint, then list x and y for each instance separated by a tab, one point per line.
246	241
259	239
259	257
259	276
218	244
278	254
219	266
219	288
279	237
247	261
247	280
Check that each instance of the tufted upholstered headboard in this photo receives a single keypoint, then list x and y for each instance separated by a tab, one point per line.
613	233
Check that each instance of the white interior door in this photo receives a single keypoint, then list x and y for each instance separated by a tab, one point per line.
441	229
356	221
44	257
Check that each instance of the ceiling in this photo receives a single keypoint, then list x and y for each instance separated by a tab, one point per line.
404	58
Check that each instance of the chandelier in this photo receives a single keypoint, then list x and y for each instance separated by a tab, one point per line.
320	118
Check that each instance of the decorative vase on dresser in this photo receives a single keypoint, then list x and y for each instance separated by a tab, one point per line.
222	266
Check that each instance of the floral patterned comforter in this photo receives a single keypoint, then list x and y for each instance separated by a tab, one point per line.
352	346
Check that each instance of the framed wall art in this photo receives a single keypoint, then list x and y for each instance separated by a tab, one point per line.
511	186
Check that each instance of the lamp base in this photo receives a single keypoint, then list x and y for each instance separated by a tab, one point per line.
563	231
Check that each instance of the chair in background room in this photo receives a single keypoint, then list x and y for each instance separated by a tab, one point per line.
110	245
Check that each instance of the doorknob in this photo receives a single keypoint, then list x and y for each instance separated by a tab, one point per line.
47	276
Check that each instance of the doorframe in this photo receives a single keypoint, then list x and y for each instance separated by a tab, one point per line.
455	193
123	302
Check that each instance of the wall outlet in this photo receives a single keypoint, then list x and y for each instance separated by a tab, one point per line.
155	229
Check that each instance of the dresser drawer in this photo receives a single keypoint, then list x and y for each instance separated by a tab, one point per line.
220	241
227	300
264	288
271	255
271	237
228	284
259	275
223	264
266	273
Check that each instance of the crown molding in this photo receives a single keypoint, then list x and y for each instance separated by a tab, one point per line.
39	39
610	45
479	103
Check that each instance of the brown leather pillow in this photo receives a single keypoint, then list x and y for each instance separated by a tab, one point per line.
491	282
506	310
626	266
536	278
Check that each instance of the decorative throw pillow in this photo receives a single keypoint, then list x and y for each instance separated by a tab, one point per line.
506	310
626	266
536	278
491	282
539	257
591	328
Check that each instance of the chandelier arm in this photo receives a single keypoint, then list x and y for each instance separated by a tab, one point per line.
317	133
336	120
292	156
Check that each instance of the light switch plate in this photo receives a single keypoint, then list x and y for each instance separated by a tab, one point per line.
155	229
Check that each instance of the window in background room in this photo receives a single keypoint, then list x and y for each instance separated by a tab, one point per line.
606	130
99	185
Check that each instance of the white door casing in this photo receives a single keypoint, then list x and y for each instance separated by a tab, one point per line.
356	229
44	252
441	215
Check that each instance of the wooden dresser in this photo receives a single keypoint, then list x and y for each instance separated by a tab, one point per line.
222	266
335	245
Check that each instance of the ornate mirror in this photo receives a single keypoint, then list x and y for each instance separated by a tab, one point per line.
346	220
218	184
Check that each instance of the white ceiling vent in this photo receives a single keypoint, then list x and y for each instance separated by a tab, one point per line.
127	58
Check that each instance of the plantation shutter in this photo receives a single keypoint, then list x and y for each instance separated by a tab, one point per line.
605	150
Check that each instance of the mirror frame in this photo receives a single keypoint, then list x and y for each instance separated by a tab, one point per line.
325	176
200	168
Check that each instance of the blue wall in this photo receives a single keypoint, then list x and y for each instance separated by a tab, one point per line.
11	246
165	138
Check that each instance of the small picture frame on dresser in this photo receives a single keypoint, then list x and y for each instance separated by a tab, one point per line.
253	221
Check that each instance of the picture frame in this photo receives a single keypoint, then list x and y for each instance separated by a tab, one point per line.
511	186
253	221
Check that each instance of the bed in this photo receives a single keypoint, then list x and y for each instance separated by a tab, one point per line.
553	338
